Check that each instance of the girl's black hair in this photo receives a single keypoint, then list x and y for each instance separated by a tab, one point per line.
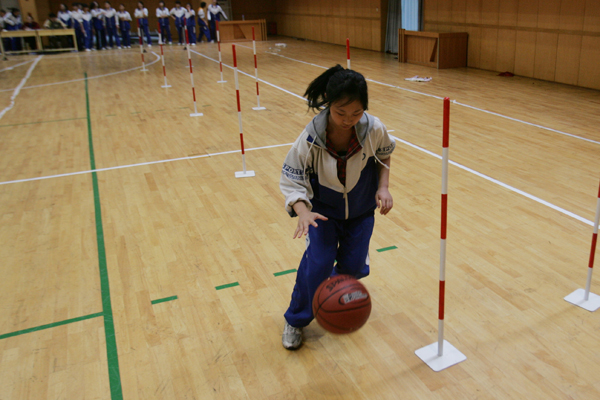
202	4
335	84
140	2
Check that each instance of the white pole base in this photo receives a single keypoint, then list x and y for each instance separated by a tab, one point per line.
221	81
144	70
196	114
242	174
577	298
166	86
429	355
259	108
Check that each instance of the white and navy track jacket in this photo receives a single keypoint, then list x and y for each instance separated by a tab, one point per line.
309	172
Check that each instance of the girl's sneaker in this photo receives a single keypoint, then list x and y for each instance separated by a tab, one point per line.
292	337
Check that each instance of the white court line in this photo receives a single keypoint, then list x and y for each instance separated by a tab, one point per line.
20	86
40	178
15	66
90	77
457	103
504	185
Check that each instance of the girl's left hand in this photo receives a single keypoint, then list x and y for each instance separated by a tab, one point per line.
384	200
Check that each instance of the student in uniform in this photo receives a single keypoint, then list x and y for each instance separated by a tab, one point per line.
31	25
178	14
86	24
190	20
125	24
141	13
214	14
334	178
203	23
76	17
13	22
163	14
112	25
65	16
98	24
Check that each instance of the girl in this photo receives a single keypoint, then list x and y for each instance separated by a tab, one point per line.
112	25
203	22
77	18
86	23
13	22
125	24
98	25
65	16
214	15
178	13
163	14
141	13
337	172
190	20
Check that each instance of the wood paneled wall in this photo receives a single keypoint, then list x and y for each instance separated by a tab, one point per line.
332	21
254	9
554	40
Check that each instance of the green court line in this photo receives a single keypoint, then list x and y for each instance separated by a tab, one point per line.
137	112
289	271
52	325
42	122
112	115
387	248
227	286
114	376
163	300
160	110
181	108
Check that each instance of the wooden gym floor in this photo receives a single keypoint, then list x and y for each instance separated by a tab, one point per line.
162	276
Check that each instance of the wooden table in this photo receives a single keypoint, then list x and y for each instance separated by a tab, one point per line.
433	49
38	34
241	31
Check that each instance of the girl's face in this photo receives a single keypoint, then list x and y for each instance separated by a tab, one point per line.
345	116
63	7
107	6
140	6
161	4
188	7
122	7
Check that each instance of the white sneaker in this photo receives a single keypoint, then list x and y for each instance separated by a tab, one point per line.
292	337
193	44
170	43
149	45
119	47
87	50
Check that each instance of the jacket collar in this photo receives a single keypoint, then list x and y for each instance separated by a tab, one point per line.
317	128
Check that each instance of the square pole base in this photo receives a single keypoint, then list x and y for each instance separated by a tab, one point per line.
165	86
592	304
196	114
259	108
144	70
242	174
221	81
429	355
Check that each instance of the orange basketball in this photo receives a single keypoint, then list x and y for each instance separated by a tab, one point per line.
341	304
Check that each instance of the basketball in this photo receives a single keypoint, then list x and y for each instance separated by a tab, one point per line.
341	304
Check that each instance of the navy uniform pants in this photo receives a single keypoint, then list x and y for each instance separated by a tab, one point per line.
344	241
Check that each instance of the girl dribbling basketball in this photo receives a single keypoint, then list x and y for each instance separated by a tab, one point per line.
334	177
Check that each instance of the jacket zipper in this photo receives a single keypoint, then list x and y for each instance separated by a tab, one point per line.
346	201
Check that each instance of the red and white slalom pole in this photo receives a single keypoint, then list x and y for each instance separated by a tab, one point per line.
141	47
258	107
162	58
441	355
348	52
244	173
220	59
582	297
195	113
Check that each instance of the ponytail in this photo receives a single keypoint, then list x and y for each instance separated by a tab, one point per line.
337	84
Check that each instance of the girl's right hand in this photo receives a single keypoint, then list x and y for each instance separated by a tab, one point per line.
305	219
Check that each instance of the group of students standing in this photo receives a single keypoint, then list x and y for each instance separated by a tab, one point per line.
109	28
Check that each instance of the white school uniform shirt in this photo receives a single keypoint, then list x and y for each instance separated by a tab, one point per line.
141	13
190	14
9	19
216	10
164	13
124	15
201	14
111	13
97	13
178	12
77	15
64	16
86	16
